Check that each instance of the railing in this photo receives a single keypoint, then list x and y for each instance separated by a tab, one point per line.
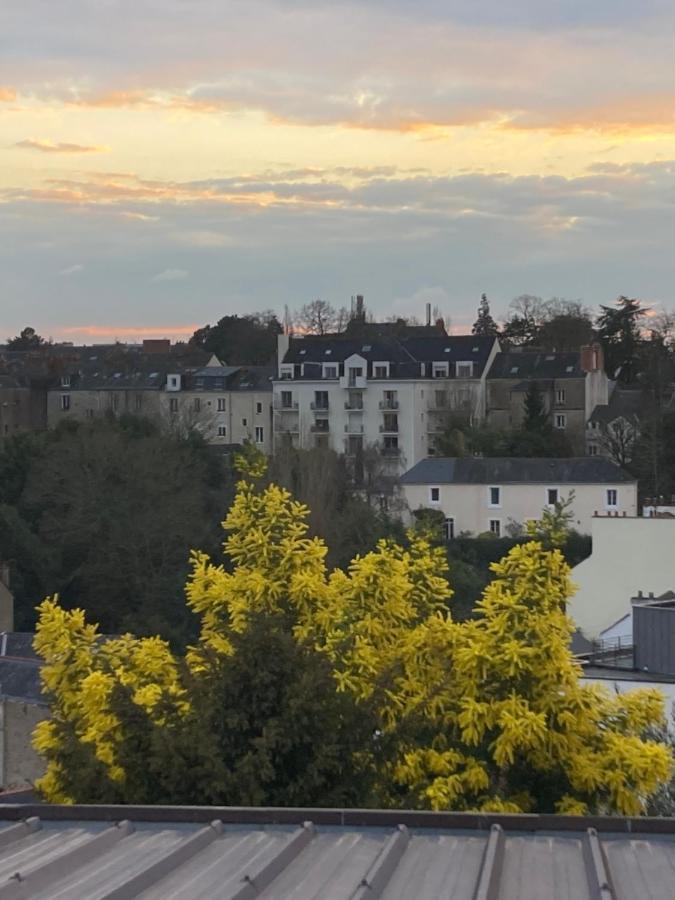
616	652
319	407
354	429
389	429
285	407
388	404
319	429
391	452
354	407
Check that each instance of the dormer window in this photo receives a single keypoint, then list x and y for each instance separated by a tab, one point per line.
65	381
464	369
381	370
286	373
439	370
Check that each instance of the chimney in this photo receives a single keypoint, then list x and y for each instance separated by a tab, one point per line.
151	345
359	306
6	600
428	314
283	343
592	358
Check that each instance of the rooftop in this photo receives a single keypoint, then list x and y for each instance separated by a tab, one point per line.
79	852
515	470
536	365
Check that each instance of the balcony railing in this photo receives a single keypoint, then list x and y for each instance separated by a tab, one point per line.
319	407
391	452
354	406
391	428
286	407
319	429
354	429
388	404
293	429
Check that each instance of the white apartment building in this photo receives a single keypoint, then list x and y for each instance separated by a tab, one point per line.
382	391
480	495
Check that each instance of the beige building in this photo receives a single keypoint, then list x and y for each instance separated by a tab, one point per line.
571	385
629	555
498	495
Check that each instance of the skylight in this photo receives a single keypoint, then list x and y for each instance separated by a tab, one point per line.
366	348
302	352
570	369
328	352
514	370
446	350
550	358
475	350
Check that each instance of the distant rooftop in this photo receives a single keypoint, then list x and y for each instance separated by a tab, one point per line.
515	470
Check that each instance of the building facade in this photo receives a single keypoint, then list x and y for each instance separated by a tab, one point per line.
498	495
571	385
378	392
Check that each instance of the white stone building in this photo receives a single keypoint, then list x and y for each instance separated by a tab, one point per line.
382	389
479	495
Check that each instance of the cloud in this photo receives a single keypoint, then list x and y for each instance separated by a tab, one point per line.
128	331
72	270
7	95
47	146
171	275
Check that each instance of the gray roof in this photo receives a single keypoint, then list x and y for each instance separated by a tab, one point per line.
623	404
159	853
516	470
536	365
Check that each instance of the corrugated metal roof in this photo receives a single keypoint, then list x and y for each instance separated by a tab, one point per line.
73	853
516	470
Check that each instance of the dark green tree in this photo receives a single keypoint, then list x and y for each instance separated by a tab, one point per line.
484	324
618	329
536	418
241	340
28	339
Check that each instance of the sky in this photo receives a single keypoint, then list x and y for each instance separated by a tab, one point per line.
167	162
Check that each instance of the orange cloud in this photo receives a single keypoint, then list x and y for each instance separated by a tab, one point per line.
47	146
7	95
130	331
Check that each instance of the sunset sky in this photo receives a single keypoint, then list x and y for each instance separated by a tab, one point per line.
164	162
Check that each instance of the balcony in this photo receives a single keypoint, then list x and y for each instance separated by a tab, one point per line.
318	407
353	381
354	406
388	404
285	407
320	428
439	404
390	452
285	429
389	428
354	429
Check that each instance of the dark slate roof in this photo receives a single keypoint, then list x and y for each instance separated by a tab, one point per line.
512	470
626	404
156	853
407	352
18	644
527	364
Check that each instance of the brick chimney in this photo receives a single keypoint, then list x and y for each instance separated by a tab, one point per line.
592	358
156	345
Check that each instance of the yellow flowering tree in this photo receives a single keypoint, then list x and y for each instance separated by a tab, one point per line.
315	687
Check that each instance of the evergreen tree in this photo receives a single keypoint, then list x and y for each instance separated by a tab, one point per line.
484	324
619	333
536	418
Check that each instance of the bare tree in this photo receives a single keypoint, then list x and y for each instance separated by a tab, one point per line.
617	440
317	317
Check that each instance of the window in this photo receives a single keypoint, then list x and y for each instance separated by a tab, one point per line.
592	449
286	373
560	398
494	495
354	373
612	498
259	434
174	382
551	496
381	371
441	399
173	404
138	401
197	404
390	445
65	381
222	431
287	399
221	404
464	369
560	421
114	401
321	425
390	422
449	529
320	399
90	414
439	370
434	495
65	402
258	408
330	372
390	400
244	423
496	527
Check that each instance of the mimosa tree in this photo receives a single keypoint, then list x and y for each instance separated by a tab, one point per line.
345	687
